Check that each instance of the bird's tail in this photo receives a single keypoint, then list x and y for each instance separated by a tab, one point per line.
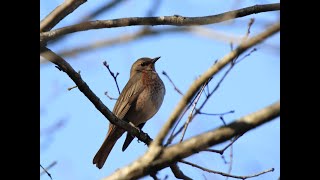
101	156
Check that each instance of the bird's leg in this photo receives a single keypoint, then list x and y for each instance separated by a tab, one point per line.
139	127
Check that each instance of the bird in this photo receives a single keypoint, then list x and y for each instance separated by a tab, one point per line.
138	102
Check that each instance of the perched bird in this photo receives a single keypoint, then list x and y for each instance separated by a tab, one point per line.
139	101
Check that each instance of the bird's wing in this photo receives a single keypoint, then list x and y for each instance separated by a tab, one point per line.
128	96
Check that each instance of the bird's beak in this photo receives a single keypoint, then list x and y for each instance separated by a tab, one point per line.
155	59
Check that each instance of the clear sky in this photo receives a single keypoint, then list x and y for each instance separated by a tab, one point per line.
252	84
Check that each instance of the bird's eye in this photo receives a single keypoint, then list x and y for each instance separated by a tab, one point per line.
143	63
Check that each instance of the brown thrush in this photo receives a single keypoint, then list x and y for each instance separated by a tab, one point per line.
139	101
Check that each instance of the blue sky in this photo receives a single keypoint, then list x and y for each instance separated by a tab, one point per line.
252	84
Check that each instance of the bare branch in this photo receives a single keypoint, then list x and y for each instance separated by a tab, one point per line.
123	38
60	12
231	159
111	98
216	114
112	74
175	87
204	177
154	8
163	20
253	50
208	74
196	144
249	27
225	148
84	88
101	9
70	88
173	135
192	110
148	32
45	170
178	173
225	174
54	127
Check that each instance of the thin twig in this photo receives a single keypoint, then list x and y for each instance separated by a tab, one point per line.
203	103
70	88
112	74
58	68
163	20
175	87
239	60
191	112
244	39
60	12
50	130
178	173
224	159
223	121
101	9
225	148
45	170
231	159
111	98
231	46
216	114
154	8
204	177
249	27
214	90
173	135
225	174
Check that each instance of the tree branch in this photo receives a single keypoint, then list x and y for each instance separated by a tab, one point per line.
221	151
178	173
198	143
194	88
194	105
45	170
225	174
112	74
84	88
60	12
162	20
101	9
175	87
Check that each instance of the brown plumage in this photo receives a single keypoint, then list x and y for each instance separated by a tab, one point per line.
139	101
